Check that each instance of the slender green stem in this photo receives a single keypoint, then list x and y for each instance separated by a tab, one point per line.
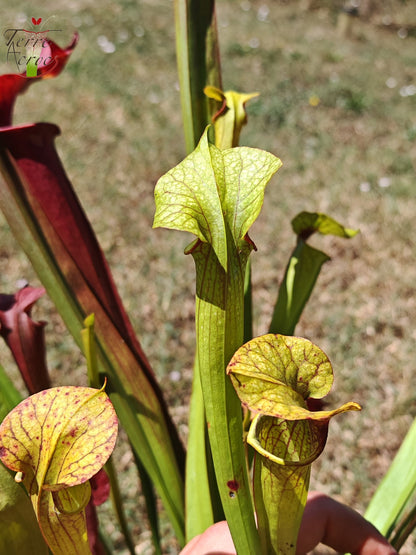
198	64
88	339
199	514
105	544
90	350
117	502
248	304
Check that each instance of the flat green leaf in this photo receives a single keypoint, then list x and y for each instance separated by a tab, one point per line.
275	374
200	514
198	60
306	223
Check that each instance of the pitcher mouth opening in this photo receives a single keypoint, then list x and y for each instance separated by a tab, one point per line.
288	442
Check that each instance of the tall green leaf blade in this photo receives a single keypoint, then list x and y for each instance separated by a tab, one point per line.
89	343
198	63
396	488
200	482
200	514
151	507
219	332
248	304
197	54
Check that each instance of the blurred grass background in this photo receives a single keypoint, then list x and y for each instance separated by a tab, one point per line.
338	106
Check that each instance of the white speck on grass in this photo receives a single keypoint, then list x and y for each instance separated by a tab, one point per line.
175	376
254	42
245	6
384	182
21	18
365	187
391	82
409	90
263	13
106	45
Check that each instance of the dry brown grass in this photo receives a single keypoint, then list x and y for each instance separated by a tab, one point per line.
352	156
